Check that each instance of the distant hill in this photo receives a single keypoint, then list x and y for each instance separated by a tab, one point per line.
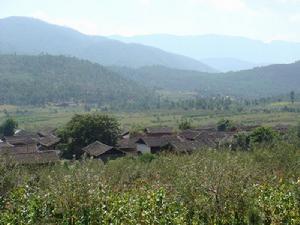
33	80
230	64
22	35
259	82
222	48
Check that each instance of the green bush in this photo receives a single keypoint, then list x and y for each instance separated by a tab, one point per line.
263	135
225	125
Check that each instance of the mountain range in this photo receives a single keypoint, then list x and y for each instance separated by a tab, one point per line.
38	80
22	35
224	53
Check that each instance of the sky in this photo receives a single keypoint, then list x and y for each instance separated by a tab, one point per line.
257	19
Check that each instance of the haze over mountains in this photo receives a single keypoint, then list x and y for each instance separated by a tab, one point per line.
224	53
24	35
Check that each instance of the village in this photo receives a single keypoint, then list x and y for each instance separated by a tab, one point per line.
43	147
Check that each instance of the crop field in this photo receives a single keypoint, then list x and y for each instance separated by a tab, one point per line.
34	118
208	187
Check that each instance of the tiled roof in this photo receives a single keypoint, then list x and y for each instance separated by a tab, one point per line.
48	141
153	141
159	130
20	140
97	148
36	157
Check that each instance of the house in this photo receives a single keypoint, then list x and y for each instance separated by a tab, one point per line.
158	131
151	144
48	142
128	146
102	151
44	157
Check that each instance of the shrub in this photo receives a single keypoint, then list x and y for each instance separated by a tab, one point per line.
225	125
263	135
185	124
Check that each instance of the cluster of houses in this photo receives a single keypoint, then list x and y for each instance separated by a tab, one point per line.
41	148
25	148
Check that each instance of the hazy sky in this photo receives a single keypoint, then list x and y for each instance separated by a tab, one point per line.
259	19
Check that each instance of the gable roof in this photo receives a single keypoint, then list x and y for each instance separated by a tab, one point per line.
48	141
159	130
36	157
97	148
190	134
20	140
19	149
46	132
153	141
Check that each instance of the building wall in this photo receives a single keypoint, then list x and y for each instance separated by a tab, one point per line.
143	148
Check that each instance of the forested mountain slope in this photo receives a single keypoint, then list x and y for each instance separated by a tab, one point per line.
45	78
258	82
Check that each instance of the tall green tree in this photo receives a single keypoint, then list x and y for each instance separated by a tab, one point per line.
8	127
85	129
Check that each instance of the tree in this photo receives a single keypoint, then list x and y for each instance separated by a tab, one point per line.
83	130
8	127
292	96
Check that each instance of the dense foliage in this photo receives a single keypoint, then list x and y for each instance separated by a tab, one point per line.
58	79
85	129
207	187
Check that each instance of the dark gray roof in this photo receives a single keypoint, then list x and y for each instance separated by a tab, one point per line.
20	140
190	134
153	141
46	132
159	130
35	157
30	148
97	148
48	141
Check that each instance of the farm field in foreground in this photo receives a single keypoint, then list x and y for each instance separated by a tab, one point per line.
261	186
